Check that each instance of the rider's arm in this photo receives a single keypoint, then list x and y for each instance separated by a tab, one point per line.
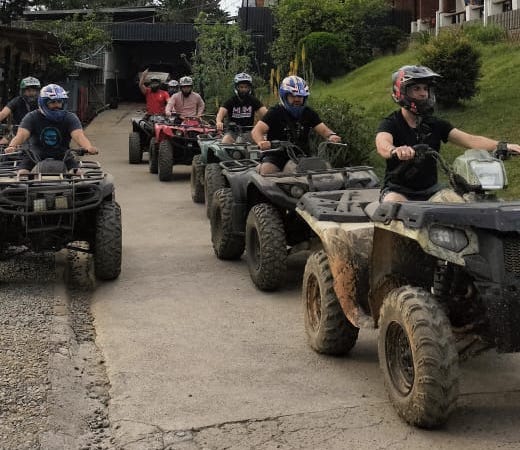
21	136
6	112
142	87
466	140
221	114
258	134
170	107
385	144
200	106
261	112
79	137
325	132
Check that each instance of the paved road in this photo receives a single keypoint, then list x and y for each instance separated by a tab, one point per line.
198	358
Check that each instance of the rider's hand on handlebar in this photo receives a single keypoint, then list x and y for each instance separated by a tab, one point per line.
513	147
92	150
334	138
403	153
10	149
264	145
220	126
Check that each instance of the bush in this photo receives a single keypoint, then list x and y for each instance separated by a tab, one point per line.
351	125
457	60
487	35
328	54
387	38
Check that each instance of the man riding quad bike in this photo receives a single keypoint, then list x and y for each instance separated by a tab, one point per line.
52	207
439	278
257	212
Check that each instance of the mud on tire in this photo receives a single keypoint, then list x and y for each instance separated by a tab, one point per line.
213	181
327	328
225	244
135	154
165	161
152	156
197	180
266	247
107	246
417	356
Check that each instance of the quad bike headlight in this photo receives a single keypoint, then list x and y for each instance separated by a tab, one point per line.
449	238
40	204
237	154
61	202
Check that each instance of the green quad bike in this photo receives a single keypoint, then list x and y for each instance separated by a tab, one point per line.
439	278
51	209
206	172
256	213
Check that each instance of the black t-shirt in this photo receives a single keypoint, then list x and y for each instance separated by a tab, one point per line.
432	131
283	127
242	111
19	107
50	139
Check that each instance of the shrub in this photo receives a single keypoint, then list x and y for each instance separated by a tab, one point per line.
387	38
327	53
452	55
487	35
351	125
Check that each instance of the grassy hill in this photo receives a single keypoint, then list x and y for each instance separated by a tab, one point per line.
495	112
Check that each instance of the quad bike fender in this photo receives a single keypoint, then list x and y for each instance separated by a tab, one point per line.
348	247
162	132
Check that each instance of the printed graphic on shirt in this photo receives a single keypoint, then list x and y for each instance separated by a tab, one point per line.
241	112
50	136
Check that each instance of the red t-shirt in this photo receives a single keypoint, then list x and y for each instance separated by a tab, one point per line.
156	101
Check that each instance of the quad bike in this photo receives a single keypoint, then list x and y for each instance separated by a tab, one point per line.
257	212
206	174
51	208
142	137
177	143
439	278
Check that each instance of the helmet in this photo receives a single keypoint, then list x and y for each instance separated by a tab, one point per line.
242	78
296	86
173	83
29	82
186	81
49	93
407	76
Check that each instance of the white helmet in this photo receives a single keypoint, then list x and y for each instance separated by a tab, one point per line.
242	78
173	83
186	81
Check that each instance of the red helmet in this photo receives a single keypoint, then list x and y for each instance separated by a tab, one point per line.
407	76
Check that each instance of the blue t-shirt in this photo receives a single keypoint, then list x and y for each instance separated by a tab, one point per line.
48	138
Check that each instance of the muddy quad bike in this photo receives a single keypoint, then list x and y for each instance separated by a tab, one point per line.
142	137
177	143
207	173
439	278
257	212
50	208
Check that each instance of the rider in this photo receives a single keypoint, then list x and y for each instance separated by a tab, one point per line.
291	120
413	123
50	129
241	108
173	87
185	103
156	98
19	106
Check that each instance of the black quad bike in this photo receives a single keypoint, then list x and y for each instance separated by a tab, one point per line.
257	212
142	137
439	278
206	174
51	208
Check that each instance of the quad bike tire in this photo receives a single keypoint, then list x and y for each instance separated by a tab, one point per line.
213	181
266	247
226	244
328	329
165	161
135	153
418	357
152	156
107	247
197	180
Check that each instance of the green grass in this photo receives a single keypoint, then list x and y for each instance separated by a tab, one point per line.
495	112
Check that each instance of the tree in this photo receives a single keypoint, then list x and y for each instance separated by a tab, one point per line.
222	51
12	9
186	11
78	38
295	19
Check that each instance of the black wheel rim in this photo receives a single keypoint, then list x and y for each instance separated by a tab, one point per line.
399	358
313	303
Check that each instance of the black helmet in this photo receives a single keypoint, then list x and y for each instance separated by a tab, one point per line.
407	76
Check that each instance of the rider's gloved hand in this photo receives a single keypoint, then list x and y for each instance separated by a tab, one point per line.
264	145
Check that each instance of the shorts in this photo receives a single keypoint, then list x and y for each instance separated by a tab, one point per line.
28	164
246	136
414	196
279	160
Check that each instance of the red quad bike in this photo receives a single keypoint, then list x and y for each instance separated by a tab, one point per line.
176	143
